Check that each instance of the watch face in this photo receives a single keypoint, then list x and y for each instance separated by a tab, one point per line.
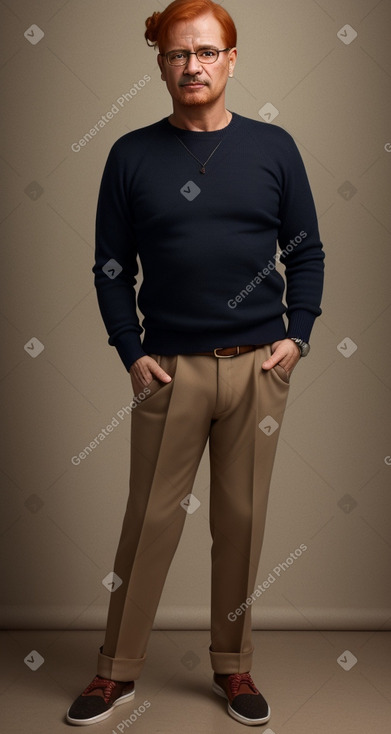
303	346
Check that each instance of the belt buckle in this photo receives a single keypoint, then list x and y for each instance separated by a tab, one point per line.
225	356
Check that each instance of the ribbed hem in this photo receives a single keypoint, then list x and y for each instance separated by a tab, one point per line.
226	663
159	341
129	348
300	324
121	669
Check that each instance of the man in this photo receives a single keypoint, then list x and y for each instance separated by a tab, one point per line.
202	197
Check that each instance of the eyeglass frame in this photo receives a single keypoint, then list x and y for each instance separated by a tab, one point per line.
195	53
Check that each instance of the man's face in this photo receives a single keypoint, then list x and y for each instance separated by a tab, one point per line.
197	83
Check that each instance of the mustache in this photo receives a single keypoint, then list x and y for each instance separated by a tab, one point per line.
193	81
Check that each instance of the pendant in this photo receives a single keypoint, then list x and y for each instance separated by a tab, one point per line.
203	170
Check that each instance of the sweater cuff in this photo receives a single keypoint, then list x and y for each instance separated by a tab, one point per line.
300	325
128	346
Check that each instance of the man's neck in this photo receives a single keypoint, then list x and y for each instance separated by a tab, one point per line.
200	118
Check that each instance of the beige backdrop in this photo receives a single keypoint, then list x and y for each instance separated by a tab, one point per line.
325	67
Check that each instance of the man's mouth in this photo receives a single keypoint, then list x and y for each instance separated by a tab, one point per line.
193	84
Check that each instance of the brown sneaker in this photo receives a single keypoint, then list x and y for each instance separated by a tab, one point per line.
99	700
245	703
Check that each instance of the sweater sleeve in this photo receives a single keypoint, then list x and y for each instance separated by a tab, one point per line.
116	266
301	249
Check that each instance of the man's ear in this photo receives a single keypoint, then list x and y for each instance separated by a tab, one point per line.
233	55
160	61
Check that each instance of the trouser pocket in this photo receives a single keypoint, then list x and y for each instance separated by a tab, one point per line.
168	363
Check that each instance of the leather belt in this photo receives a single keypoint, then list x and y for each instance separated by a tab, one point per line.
226	352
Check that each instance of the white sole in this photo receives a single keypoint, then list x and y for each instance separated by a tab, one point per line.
104	715
243	719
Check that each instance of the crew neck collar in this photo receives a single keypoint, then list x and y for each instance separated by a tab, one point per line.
183	131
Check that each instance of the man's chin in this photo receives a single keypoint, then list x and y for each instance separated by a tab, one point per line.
190	99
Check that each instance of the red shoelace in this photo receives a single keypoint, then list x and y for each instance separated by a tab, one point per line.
103	684
236	679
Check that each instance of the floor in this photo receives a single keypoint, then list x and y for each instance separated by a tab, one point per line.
315	682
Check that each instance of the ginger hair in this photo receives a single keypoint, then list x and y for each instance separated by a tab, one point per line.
158	25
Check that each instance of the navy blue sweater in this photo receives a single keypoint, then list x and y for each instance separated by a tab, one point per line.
206	243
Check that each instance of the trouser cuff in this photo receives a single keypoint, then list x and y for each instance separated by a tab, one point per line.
121	669
225	663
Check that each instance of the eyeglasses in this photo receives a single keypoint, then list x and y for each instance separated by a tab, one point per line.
204	56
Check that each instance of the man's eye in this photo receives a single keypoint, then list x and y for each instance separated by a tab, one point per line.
178	55
208	53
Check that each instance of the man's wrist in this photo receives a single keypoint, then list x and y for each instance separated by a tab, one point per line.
303	346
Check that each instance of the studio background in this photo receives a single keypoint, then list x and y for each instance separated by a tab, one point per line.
60	381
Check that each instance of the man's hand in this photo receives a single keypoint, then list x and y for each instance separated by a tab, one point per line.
143	371
286	353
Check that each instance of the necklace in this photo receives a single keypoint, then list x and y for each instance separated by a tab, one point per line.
203	165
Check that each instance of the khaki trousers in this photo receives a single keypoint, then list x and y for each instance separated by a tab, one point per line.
222	400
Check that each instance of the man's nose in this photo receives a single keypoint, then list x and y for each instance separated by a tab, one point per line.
193	66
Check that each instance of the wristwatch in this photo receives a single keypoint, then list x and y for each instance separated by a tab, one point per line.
303	346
